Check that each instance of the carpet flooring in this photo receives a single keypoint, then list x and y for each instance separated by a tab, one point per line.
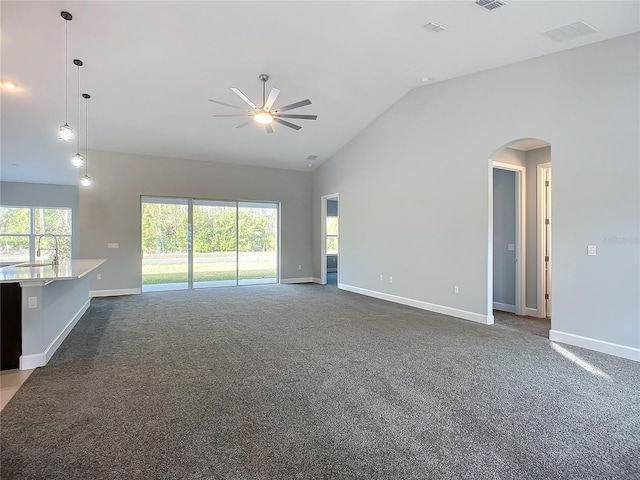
311	382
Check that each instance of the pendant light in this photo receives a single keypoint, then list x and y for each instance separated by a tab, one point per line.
78	160
85	181
66	132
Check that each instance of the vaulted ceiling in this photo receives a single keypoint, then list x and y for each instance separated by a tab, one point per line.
151	67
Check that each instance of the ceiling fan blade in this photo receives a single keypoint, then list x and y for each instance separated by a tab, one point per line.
269	128
226	104
288	124
245	123
299	104
301	117
273	94
234	115
245	98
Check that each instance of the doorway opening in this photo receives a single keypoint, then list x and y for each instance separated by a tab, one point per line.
330	230
192	243
519	256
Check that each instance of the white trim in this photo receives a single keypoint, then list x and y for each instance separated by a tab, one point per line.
521	230
27	362
504	307
540	238
594	344
297	280
432	307
114	293
318	280
531	312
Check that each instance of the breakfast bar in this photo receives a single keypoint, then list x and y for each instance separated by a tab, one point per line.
53	297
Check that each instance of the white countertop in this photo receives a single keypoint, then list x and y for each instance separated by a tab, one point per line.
66	270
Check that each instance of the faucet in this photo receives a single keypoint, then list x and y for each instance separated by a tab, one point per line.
55	257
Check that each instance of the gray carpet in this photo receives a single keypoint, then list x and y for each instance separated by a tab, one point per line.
310	382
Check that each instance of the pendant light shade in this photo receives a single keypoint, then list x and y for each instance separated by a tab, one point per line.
85	181
65	132
78	160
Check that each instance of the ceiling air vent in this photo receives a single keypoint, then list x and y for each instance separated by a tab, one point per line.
491	4
436	27
312	157
569	32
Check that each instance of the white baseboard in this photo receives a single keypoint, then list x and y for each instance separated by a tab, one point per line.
114	293
504	307
27	362
594	344
297	280
531	312
432	307
317	280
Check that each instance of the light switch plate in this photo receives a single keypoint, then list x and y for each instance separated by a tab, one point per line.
511	246
591	250
32	302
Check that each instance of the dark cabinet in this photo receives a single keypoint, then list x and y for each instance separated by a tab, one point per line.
11	325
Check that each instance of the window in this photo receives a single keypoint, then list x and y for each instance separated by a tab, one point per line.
22	227
332	235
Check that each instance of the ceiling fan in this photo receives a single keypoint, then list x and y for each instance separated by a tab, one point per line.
265	114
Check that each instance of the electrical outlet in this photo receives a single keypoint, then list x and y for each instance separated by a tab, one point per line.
456	289
33	302
113	245
99	276
390	279
591	250
299	267
381	278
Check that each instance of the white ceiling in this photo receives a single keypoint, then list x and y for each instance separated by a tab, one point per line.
151	66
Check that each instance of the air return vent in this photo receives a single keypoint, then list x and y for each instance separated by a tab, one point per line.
312	157
436	27
569	32
491	4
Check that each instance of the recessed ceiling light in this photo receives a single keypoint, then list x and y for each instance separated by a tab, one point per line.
426	79
9	85
436	27
310	165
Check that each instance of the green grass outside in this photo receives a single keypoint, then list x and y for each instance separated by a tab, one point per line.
178	277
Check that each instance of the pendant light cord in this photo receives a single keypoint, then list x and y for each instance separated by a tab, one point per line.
86	137
66	72
78	117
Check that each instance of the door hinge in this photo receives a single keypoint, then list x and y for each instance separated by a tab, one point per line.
546	184
546	258
546	296
546	221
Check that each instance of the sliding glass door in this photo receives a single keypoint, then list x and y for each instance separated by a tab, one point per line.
191	243
257	240
165	243
215	256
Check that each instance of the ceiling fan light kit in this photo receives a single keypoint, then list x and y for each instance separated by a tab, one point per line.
264	115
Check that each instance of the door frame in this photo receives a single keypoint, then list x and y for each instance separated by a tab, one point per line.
540	218
520	247
323	236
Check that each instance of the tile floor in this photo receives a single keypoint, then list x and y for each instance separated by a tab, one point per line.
10	382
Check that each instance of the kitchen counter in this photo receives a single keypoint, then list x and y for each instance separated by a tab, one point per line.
53	298
45	274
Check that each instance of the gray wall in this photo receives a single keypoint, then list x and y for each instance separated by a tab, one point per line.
110	210
504	233
429	153
17	194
